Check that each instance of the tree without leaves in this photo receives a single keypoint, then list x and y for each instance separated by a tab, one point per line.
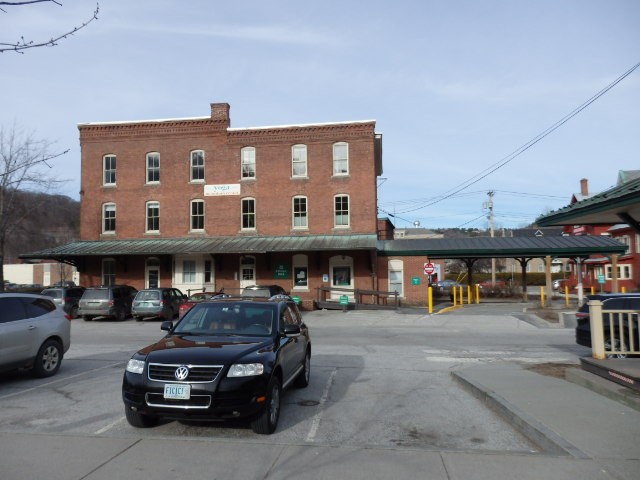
23	44
22	162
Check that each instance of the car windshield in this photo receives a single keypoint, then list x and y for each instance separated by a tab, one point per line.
53	293
148	295
228	319
97	294
256	292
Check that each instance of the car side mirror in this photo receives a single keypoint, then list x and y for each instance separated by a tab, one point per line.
292	330
167	325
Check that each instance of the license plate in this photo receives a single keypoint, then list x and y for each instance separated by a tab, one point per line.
177	392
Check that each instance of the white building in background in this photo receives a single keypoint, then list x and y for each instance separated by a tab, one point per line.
44	274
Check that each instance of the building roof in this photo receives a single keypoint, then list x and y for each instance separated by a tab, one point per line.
207	245
620	203
503	247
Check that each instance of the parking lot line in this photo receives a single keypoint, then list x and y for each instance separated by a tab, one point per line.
109	427
58	380
316	419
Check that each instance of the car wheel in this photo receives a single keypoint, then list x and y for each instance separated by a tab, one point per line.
138	319
267	422
139	420
120	316
74	312
87	318
48	359
302	380
616	346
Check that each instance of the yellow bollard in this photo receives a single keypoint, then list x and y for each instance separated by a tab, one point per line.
624	289
477	293
455	295
469	294
542	296
430	299
566	295
461	296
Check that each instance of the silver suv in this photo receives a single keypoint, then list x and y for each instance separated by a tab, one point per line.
112	301
34	333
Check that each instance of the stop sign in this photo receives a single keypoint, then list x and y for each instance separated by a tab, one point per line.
429	268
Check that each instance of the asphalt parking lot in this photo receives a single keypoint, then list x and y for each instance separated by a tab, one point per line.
379	380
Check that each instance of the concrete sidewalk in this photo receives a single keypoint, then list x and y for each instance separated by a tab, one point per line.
562	417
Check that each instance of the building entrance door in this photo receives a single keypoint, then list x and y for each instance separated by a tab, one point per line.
247	272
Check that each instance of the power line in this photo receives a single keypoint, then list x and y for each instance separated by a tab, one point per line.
504	161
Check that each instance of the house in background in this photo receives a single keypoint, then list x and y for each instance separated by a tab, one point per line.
598	267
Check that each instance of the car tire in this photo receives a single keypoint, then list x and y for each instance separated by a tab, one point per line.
138	319
74	312
267	422
302	380
120	316
139	420
608	345
48	360
87	318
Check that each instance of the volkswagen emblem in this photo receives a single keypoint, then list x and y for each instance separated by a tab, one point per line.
182	372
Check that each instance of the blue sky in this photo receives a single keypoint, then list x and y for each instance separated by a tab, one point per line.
455	86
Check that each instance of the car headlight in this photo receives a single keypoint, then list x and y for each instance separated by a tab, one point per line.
245	370
135	366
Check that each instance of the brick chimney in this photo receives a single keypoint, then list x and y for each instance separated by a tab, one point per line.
220	113
584	187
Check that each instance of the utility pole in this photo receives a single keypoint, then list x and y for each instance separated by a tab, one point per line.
489	206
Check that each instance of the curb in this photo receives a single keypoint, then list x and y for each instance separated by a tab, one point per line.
604	387
533	430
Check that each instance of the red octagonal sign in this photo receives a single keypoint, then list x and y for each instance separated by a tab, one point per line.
429	268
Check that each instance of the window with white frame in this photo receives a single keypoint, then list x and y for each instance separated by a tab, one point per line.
109	218
153	217
248	214
396	276
300	272
197	166
188	271
153	167
109	170
341	158
637	243
300	212
341	211
108	271
625	271
299	161
248	159
197	215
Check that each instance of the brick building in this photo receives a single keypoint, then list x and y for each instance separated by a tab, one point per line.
197	204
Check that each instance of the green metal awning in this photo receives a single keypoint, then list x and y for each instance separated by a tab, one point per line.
502	247
206	245
620	204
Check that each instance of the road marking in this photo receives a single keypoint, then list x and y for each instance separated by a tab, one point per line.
108	427
58	380
316	419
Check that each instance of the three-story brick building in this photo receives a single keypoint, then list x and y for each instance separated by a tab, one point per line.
196	204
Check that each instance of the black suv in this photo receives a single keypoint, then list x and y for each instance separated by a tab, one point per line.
107	301
225	359
67	297
610	301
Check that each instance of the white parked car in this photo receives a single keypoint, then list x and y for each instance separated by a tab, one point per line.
34	333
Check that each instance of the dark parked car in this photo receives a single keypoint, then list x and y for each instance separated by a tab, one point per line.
612	337
225	359
157	302
34	333
67	298
107	301
263	291
445	287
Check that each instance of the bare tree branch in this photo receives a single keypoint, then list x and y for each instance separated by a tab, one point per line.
23	44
